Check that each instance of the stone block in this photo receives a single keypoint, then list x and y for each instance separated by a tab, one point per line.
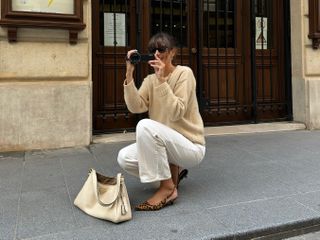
44	115
43	60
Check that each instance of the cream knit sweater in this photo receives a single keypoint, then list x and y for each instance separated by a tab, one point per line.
172	103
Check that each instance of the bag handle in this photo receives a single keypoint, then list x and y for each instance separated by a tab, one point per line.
95	183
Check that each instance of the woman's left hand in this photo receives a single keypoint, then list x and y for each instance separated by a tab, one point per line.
158	67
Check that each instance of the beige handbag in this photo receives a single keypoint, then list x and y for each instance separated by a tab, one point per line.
105	198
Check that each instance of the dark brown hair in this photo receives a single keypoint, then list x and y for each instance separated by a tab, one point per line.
162	39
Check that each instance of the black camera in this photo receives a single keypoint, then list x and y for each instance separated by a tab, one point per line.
136	57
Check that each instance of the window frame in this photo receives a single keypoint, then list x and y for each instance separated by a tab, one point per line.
13	20
314	23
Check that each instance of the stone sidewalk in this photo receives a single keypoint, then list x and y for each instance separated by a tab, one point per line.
248	186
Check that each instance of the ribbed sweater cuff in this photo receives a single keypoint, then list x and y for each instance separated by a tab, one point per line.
125	84
129	87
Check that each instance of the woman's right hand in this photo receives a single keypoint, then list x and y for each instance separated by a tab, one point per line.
130	66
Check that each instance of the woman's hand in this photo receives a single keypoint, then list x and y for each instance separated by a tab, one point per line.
158	67
130	66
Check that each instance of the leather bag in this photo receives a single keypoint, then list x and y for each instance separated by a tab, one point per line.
105	198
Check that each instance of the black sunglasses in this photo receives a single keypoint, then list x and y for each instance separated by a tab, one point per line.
160	50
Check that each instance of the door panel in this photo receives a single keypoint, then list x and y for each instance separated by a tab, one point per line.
173	17
108	71
224	62
270	70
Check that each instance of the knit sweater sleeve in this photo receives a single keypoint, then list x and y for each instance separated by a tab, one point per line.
175	100
136	100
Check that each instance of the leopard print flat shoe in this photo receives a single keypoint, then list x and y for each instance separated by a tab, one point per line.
149	207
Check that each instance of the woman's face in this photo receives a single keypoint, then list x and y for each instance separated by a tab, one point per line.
164	53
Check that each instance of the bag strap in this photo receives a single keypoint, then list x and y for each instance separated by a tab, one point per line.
95	183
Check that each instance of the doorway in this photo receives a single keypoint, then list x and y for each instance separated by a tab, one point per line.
236	49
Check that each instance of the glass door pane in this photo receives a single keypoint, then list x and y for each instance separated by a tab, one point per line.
170	16
264	23
218	23
115	28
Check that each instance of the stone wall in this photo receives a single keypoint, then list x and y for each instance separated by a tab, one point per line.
45	88
305	68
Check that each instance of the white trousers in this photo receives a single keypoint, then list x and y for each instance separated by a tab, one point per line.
156	147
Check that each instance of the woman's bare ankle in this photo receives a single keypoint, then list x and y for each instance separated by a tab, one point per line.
174	169
166	190
167	184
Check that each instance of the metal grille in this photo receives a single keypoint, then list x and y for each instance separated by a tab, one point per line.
235	81
115	11
270	78
218	19
220	60
170	16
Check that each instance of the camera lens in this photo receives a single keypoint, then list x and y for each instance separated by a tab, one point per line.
135	58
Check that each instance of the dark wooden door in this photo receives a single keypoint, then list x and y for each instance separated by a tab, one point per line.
240	69
242	64
271	83
108	66
225	61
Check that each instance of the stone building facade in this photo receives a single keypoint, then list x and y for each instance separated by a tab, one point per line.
46	84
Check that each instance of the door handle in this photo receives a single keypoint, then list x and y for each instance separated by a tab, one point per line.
194	50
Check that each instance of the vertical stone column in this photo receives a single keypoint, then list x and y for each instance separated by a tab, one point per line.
305	68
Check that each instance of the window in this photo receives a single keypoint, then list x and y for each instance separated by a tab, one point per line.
63	14
264	22
115	17
218	23
171	17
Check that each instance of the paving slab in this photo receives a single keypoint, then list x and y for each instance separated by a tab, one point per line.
249	186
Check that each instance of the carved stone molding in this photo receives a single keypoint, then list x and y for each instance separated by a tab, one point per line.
15	19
